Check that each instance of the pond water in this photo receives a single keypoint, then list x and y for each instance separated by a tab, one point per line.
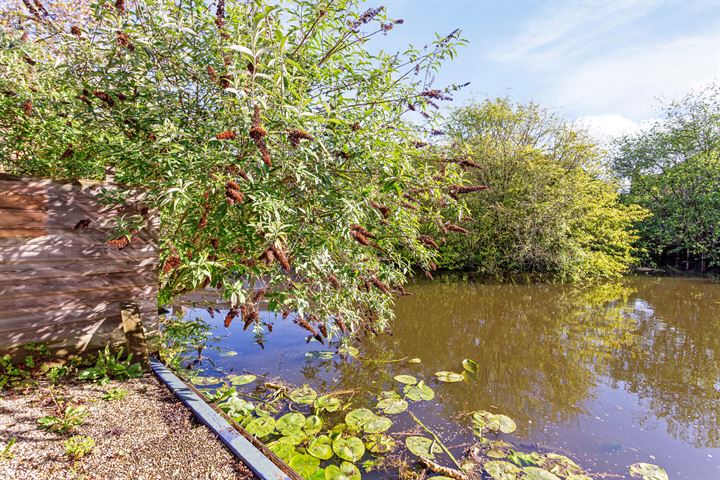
608	375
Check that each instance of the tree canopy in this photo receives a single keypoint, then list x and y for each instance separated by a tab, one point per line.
286	158
550	210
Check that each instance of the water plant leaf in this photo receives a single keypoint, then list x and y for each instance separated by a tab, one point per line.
204	381
229	353
328	402
422	446
449	377
379	443
358	418
241	379
304	464
349	448
304	394
236	406
293	439
496	453
377	425
321	447
283	450
537	473
418	392
470	366
561	465
576	476
483	420
388	394
648	471
318	474
346	471
415	361
313	424
500	470
522	459
321	354
392	406
349	350
290	423
406	379
261	427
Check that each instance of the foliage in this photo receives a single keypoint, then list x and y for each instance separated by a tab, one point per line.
69	420
109	366
280	144
114	394
78	446
673	170
6	450
15	374
549	211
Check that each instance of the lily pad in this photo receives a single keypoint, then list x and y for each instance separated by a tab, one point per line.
422	446
283	450
418	392
470	366
415	361
229	353
358	418
290	423
392	406
349	350
406	379
293	439
204	381
321	447
648	471
313	424
241	379
449	377
305	395
304	464
522	459
261	427
379	443
537	473
576	476
327	402
388	394
483	420
349	448
321	354
346	471
500	470
377	425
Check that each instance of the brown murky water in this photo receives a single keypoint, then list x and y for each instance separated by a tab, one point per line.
609	375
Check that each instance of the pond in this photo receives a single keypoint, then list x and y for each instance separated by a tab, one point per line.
608	375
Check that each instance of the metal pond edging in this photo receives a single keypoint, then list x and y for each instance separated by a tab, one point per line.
240	446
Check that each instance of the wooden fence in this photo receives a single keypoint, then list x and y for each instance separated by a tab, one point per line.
60	283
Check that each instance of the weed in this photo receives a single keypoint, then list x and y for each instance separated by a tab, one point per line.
110	366
114	394
67	421
78	446
6	451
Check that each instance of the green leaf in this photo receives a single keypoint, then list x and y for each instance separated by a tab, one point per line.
204	381
392	406
470	366
449	377
422	446
414	361
537	473
500	470
305	395
241	379
406	379
261	427
349	448
321	447
313	424
377	425
483	420
349	350
648	471
418	392
358	418
329	403
346	471
283	450
290	423
304	464
379	443
228	353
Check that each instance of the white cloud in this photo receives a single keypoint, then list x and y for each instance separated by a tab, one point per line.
607	127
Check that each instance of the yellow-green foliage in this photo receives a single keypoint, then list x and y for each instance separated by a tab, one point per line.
549	211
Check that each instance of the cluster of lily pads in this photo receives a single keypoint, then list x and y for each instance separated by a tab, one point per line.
322	437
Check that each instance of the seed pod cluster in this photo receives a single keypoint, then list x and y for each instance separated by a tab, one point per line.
233	193
226	135
258	134
295	135
428	241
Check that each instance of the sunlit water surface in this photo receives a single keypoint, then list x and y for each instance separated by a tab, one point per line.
609	375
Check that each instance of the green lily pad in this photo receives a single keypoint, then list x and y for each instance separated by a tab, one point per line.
414	361
313	424
576	476
648	471
241	379
449	377
229	353
304	395
349	448
304	464
293	439
496	453
422	446
406	379
327	402
321	447
358	418
537	473
204	381
384	395
261	427
236	406
346	471
500	470
470	366
483	420
522	459
349	350
379	443
418	392
283	450
290	423
392	406
377	425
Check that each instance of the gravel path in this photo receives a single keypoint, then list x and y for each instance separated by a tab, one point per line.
147	435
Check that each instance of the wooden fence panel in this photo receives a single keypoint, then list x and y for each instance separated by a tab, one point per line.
60	284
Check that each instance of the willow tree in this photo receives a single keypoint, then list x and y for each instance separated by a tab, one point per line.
273	141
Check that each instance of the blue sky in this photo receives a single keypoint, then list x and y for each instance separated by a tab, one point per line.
604	63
